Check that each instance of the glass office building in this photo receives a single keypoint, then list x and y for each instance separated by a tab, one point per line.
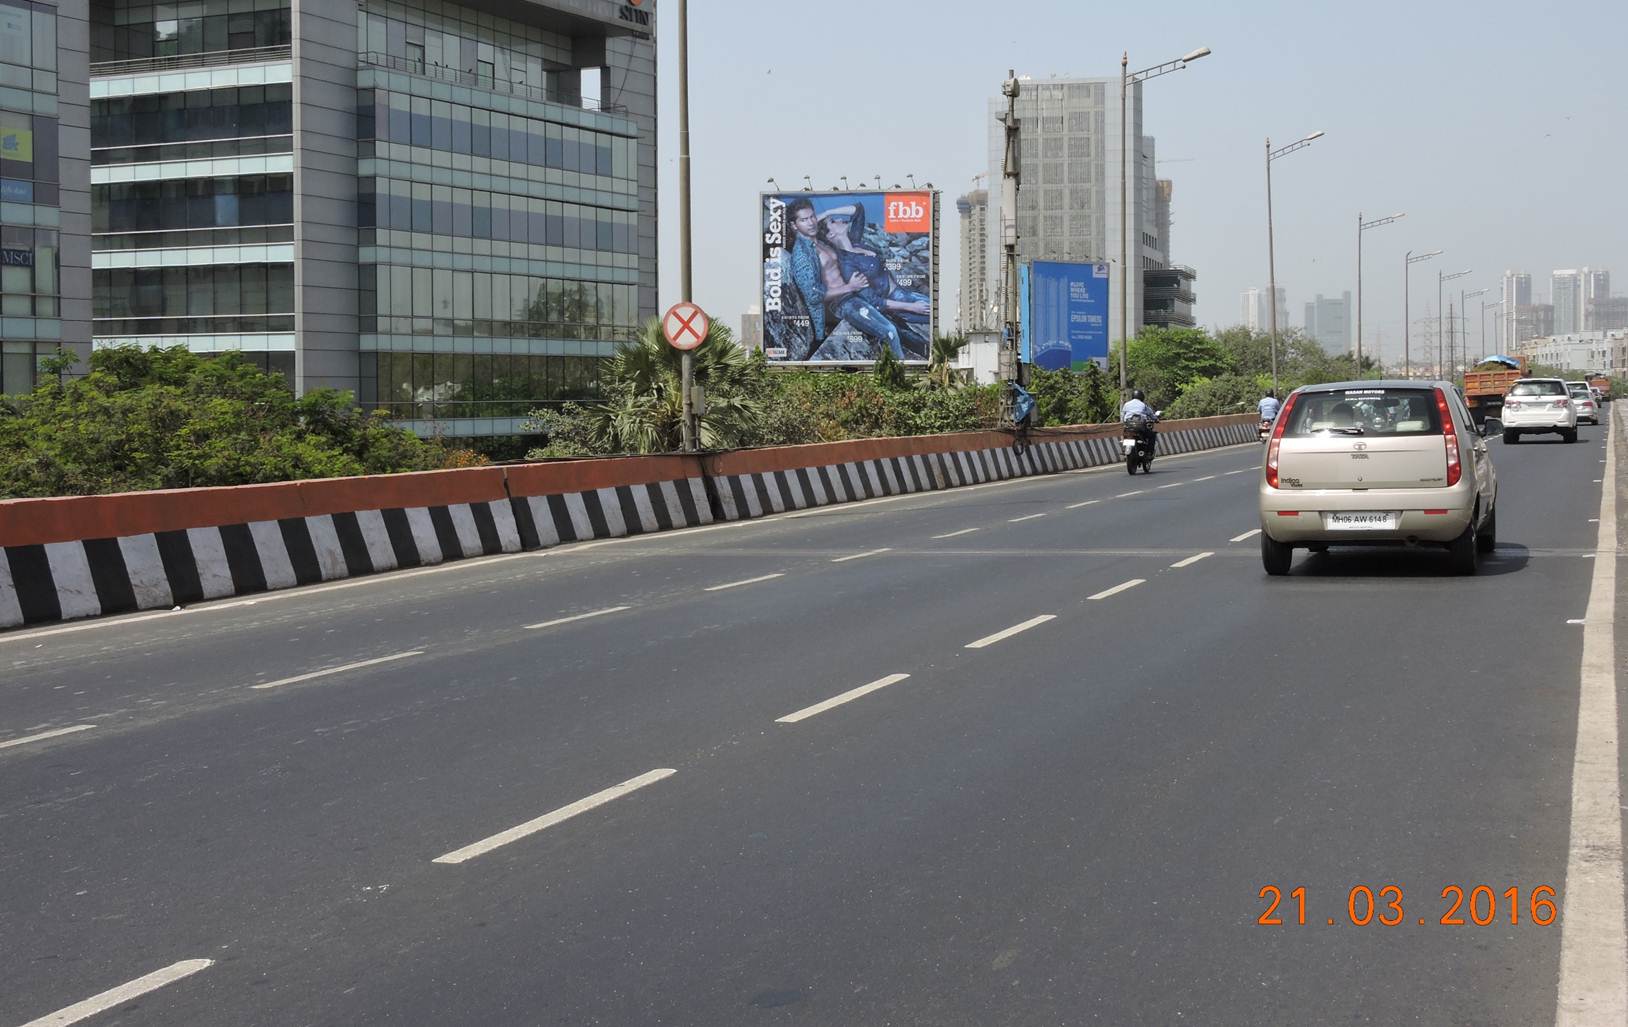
44	188
447	208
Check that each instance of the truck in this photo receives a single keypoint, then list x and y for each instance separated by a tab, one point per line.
1487	382
1603	383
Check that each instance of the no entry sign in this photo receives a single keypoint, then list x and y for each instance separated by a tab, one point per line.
685	325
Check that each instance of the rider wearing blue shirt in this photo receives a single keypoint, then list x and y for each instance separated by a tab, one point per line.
1136	407
1270	406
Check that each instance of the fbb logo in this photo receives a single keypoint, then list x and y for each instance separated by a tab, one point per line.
907	212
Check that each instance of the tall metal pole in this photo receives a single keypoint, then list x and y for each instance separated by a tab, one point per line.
1271	268
1407	327
686	285
1124	243
1359	296
1483	331
1439	281
1011	179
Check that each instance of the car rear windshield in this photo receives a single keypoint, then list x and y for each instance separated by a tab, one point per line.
1537	389
1372	411
1583	392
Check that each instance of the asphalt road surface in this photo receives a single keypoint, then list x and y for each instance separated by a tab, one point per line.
1018	754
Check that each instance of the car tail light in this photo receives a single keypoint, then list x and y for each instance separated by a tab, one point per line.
1449	435
1277	439
1512	404
1561	404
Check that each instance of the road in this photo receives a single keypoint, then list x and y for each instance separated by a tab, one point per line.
1069	823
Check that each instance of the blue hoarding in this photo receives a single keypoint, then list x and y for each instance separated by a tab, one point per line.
1065	314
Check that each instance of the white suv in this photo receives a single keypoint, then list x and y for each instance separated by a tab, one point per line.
1539	406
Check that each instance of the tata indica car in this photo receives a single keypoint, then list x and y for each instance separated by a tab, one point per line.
1375	463
1537	406
1584	402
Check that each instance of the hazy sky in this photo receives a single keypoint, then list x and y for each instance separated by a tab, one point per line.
1501	128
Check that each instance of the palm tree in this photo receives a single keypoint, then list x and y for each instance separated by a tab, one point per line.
945	349
643	407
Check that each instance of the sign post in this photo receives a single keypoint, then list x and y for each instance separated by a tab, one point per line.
686	326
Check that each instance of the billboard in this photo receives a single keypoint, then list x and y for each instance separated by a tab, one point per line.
847	275
1064	308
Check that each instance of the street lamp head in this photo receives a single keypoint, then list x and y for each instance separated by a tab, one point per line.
1202	51
1315	135
1400	214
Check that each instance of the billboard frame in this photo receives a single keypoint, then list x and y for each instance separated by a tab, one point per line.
934	199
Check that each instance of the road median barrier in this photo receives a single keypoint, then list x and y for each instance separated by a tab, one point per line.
70	557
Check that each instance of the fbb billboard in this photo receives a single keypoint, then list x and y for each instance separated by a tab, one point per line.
847	275
1064	308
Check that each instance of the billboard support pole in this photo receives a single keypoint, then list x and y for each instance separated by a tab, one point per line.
1011	347
686	283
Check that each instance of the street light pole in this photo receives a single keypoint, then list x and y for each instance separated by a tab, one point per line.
1127	78
1271	249
1407	328
1464	326
686	285
1363	226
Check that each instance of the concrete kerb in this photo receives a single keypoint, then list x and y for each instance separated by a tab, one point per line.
84	556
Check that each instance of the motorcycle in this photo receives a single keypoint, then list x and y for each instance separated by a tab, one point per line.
1265	430
1137	441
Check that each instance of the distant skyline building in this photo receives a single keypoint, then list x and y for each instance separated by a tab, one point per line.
1068	205
1517	293
1257	317
751	338
1596	284
1566	295
1606	314
1328	320
974	310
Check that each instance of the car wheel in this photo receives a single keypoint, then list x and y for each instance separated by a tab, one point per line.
1487	538
1569	436
1511	437
1462	551
1275	556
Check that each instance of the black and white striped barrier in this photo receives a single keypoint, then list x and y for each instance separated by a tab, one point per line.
158	570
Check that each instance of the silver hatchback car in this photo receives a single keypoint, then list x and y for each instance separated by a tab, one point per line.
1366	463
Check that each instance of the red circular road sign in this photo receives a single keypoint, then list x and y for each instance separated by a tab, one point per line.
685	325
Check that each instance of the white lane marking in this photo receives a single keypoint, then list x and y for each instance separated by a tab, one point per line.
1122	586
1593	520
1192	559
861	556
1032	622
1076	506
1207	477
43	735
1026	517
577	617
342	668
1593	934
747	581
1173	484
1598	480
837	700
122	994
1242	470
1132	492
1245	535
1576	620
547	820
963	531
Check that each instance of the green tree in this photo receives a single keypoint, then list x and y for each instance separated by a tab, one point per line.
1161	361
1223	394
945	349
168	418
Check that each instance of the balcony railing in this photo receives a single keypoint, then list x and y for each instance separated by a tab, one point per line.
442	73
182	62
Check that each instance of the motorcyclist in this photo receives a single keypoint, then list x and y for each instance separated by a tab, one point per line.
1269	405
1136	414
